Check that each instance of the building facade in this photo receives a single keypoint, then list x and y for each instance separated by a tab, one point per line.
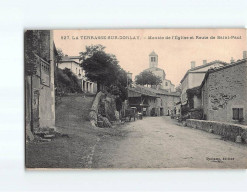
39	66
194	76
156	102
153	67
224	93
73	63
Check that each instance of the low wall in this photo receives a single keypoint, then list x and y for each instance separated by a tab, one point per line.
94	109
104	106
226	130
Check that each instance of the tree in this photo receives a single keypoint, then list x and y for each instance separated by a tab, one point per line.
104	69
147	78
31	46
90	50
59	55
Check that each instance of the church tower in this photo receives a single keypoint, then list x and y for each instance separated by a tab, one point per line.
153	59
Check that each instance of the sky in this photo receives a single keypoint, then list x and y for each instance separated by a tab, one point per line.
133	46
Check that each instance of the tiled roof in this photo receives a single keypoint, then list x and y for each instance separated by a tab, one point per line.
157	91
211	70
203	66
142	92
208	64
74	57
69	59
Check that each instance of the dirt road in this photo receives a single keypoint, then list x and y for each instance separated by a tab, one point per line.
158	142
154	142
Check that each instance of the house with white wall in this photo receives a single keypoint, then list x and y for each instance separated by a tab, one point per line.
195	75
73	63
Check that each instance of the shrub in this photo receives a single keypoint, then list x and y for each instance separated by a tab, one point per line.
67	82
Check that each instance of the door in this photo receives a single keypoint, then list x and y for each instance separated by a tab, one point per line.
35	109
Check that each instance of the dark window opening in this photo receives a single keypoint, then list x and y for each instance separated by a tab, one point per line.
152	59
237	113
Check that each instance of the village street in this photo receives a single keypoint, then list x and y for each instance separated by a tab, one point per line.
154	142
158	142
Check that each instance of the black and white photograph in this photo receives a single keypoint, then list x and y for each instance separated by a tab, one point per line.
135	98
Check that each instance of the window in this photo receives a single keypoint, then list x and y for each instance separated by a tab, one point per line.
152	59
166	84
237	113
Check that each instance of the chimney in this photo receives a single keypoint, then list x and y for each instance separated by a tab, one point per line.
232	60
244	54
204	62
193	64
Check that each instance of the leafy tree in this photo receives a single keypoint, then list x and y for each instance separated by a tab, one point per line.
104	69
120	87
31	45
90	50
147	78
59	55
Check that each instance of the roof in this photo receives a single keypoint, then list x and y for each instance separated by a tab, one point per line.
158	91
74	57
154	69
211	70
69	59
153	53
142	92
202	66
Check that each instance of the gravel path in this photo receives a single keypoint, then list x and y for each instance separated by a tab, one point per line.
154	142
158	142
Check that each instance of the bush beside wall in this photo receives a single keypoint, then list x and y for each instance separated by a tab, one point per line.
67	82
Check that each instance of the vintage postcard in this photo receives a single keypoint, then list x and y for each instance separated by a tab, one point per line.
136	98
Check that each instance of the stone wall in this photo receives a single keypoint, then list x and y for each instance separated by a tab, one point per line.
93	115
47	93
169	103
103	108
224	90
226	130
40	96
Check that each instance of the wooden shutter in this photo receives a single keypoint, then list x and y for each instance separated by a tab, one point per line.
241	113
235	113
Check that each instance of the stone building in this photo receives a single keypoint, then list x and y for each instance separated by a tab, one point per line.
153	67
224	93
194	76
157	102
39	55
143	100
73	63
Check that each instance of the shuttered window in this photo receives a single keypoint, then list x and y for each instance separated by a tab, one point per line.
237	113
241	113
